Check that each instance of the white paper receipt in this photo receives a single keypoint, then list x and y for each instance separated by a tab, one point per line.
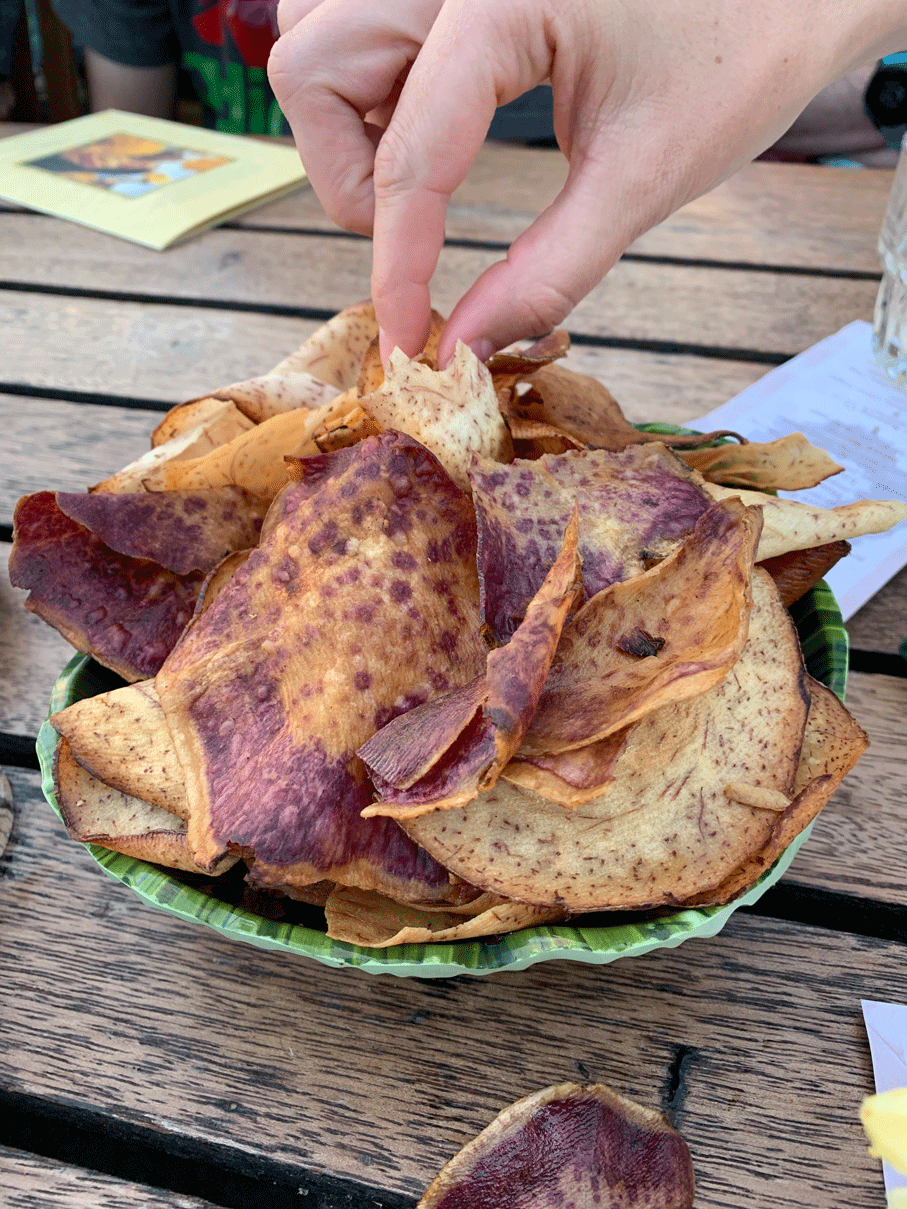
886	1028
838	396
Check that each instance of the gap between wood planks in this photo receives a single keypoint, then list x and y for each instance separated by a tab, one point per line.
82	1137
321	315
495	245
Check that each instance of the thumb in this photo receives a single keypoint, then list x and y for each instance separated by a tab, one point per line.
554	263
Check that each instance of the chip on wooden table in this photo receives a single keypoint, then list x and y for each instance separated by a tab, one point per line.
569	1145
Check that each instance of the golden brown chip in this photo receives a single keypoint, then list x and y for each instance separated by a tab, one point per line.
659	638
788	464
665	830
334	352
526	359
216	422
121	737
569	778
362	917
792	525
584	409
274	393
96	814
453	412
832	744
569	1145
254	460
797	571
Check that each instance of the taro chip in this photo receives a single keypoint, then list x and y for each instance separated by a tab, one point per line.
122	738
666	635
218	419
832	744
790	463
371	373
126	612
665	829
335	351
361	917
360	602
188	431
792	525
632	506
569	777
181	530
273	394
569	1145
439	755
453	412
254	460
584	410
94	813
797	571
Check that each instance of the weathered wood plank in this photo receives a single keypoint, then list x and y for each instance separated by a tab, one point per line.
130	350
881	624
790	214
729	309
31	1182
782	214
67	446
133	351
380	1080
855	844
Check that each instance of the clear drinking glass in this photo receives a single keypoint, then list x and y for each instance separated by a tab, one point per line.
890	324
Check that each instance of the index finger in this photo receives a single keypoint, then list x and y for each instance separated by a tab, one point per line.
430	144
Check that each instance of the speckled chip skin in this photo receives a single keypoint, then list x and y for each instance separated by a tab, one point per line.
632	504
665	829
361	602
569	1146
126	612
460	742
183	531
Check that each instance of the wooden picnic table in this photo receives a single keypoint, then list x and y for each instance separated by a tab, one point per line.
147	1061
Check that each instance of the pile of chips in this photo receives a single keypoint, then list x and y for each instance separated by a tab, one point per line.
444	652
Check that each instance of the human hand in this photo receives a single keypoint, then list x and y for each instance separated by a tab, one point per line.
655	101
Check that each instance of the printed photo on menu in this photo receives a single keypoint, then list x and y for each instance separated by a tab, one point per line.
127	164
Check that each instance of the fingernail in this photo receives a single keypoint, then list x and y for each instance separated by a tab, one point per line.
482	347
385	346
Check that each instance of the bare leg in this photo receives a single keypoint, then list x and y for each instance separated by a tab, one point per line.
148	90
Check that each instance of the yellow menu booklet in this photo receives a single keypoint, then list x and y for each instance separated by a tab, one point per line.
151	181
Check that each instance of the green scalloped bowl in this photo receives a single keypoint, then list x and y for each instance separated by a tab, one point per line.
824	641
